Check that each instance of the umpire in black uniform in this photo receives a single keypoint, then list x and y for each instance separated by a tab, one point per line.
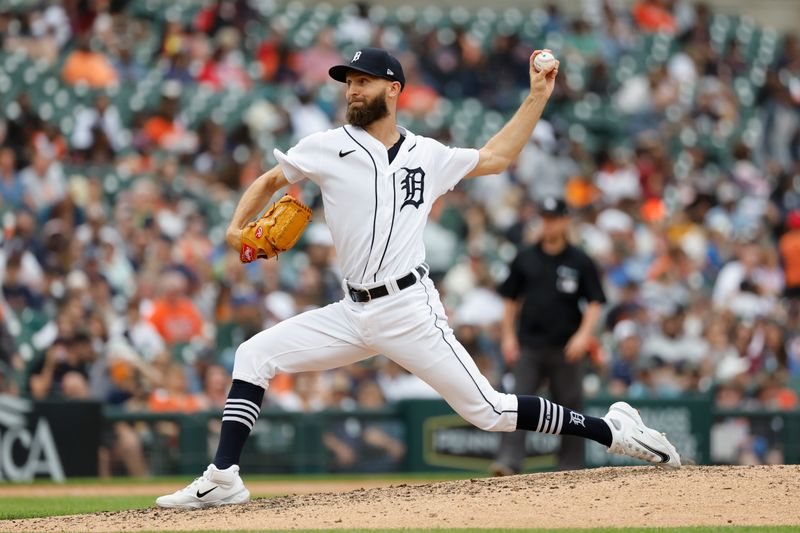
553	300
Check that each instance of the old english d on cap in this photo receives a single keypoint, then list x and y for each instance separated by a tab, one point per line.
372	61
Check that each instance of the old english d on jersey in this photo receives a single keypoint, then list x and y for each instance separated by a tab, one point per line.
376	210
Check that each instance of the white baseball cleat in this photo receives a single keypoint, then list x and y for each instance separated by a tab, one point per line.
631	437
214	488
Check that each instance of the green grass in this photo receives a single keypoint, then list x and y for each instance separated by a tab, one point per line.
37	507
395	476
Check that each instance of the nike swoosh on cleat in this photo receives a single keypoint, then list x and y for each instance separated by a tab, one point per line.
201	494
664	456
342	154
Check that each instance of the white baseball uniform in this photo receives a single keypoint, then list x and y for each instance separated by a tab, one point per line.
376	211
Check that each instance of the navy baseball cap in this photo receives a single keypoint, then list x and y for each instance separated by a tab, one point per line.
372	61
554	207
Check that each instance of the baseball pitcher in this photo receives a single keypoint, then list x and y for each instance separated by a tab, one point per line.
378	183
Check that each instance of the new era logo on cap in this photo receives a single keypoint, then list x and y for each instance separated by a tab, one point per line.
372	61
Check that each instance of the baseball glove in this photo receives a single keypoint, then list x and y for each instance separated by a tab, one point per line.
276	231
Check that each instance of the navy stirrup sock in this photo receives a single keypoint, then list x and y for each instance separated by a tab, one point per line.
538	414
238	418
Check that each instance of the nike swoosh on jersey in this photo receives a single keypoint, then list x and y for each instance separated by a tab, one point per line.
342	154
201	494
664	457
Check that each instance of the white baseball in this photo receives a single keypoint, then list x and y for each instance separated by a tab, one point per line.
544	62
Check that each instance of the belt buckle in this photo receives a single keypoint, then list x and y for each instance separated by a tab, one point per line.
355	294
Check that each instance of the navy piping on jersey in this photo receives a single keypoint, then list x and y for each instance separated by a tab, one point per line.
394	210
375	212
444	338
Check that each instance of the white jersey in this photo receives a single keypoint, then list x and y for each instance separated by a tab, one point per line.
376	210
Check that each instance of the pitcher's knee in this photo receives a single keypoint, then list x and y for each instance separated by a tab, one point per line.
496	422
485	425
499	417
248	364
245	353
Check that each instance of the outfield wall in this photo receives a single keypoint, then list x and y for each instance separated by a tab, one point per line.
58	440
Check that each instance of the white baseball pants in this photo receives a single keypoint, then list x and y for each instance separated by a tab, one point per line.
408	326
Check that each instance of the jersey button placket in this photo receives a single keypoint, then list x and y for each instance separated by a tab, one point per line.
383	221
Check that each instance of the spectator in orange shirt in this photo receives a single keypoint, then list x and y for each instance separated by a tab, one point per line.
174	396
653	16
174	314
85	65
417	97
789	246
164	129
158	127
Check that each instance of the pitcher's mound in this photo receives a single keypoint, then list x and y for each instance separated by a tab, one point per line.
603	497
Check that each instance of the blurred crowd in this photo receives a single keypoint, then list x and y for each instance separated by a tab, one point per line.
116	283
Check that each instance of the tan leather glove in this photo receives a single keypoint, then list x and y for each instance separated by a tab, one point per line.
276	231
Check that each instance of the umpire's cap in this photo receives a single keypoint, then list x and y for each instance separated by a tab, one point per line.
553	207
373	61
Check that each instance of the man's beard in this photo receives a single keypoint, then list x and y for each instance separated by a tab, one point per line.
368	112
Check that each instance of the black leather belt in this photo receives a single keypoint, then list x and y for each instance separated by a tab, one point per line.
365	295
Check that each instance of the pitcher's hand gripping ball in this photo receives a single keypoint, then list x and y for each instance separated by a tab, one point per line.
544	62
276	231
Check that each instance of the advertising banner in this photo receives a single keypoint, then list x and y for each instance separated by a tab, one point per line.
48	439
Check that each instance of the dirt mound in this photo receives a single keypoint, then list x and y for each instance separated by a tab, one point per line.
604	497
